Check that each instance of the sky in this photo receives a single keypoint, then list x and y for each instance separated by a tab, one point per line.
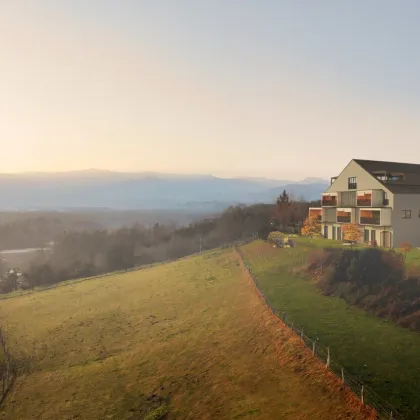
270	88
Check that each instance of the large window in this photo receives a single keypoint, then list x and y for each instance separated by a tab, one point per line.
370	217
366	236
343	216
386	199
364	199
352	183
406	214
329	200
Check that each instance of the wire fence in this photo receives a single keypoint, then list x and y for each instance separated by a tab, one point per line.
384	411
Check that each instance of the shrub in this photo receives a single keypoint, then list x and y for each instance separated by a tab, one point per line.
276	238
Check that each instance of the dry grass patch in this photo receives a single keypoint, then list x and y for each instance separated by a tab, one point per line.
187	340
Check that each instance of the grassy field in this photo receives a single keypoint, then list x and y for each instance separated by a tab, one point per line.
186	340
386	357
413	257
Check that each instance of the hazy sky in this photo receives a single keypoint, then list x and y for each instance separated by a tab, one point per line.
273	88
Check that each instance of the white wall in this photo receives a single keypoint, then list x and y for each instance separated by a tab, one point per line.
365	181
406	230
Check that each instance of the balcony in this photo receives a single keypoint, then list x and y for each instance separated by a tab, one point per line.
370	217
343	216
315	211
364	199
329	200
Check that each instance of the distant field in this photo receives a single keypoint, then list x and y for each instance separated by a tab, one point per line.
386	357
190	339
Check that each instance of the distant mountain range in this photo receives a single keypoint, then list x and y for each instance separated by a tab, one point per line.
117	190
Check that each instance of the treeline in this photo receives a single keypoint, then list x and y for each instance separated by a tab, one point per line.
373	279
79	254
35	229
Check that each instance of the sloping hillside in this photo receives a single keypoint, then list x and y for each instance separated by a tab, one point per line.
191	339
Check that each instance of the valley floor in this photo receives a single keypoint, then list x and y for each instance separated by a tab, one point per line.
191	339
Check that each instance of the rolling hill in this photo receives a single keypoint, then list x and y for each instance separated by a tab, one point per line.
185	340
124	191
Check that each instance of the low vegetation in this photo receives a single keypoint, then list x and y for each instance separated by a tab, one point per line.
376	280
382	354
186	340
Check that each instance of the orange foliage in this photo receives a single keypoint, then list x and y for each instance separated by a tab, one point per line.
311	227
352	232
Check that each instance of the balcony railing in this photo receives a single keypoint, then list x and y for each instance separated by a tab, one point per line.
364	202
329	201
372	217
344	219
370	220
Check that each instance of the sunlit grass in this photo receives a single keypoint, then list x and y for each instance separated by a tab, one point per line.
190	339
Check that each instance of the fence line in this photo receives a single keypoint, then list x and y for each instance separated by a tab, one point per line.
8	369
367	396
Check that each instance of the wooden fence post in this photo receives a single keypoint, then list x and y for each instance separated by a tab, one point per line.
342	374
328	358
362	395
314	347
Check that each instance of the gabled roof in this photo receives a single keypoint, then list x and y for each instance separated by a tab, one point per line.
410	184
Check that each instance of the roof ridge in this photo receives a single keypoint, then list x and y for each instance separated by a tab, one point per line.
386	161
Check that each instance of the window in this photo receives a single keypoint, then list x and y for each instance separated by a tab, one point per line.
352	183
372	236
406	214
386	199
366	238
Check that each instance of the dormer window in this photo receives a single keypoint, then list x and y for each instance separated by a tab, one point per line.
389	176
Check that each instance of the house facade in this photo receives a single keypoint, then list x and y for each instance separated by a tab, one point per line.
383	198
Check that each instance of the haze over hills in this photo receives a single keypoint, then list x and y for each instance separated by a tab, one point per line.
144	190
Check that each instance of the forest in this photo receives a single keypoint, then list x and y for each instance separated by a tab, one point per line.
81	253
